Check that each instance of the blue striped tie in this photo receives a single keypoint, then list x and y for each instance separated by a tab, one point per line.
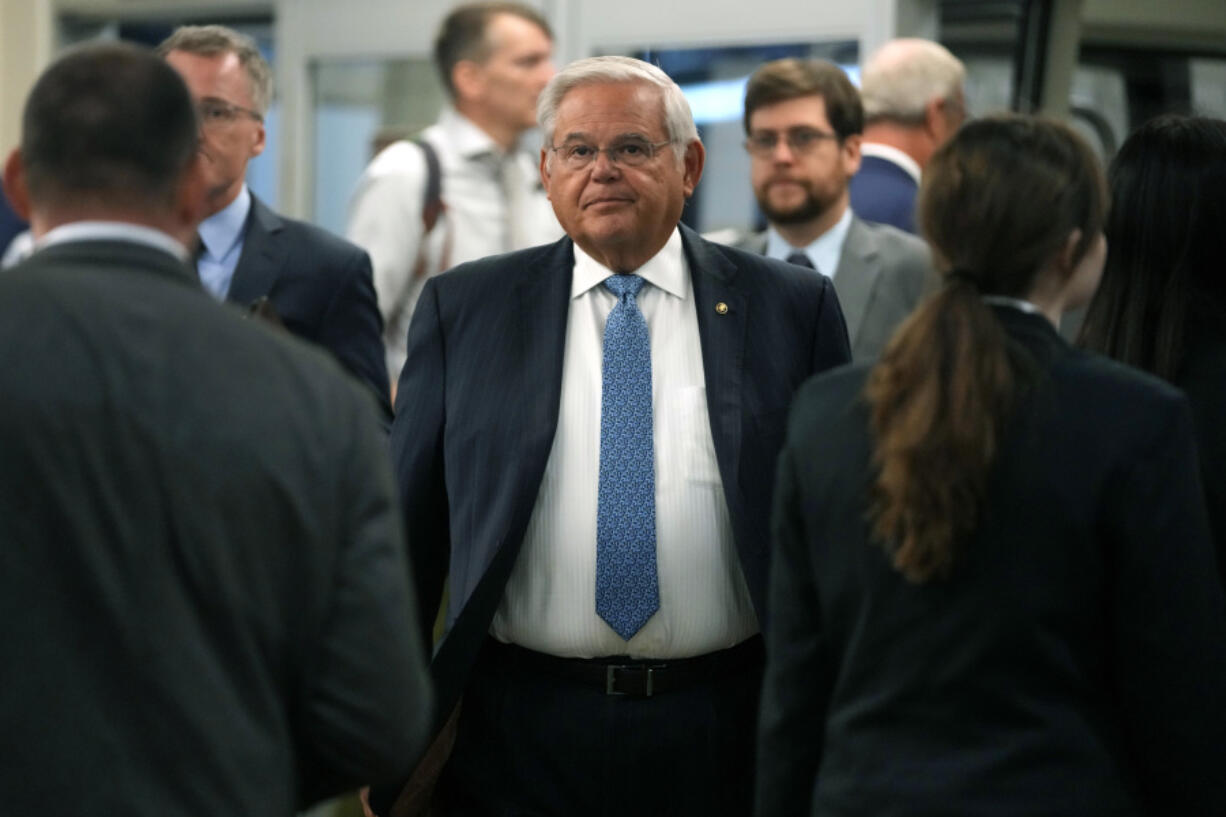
627	590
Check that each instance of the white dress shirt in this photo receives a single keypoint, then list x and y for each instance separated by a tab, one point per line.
489	196
550	599
892	154
112	231
824	252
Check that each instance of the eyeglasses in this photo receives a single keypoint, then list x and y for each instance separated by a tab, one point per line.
626	153
217	113
801	141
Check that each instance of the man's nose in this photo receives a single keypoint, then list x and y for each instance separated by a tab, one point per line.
603	166
782	151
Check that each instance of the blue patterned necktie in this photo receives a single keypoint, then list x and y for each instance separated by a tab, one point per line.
627	590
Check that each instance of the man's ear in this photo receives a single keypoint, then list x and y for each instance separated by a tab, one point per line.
694	161
15	185
851	154
257	144
934	118
468	79
545	171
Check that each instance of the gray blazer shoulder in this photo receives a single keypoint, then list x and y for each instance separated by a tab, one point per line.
883	273
751	242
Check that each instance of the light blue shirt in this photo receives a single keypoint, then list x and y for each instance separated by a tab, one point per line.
222	237
824	252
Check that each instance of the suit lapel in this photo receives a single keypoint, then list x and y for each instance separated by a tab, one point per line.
263	256
542	303
721	308
856	276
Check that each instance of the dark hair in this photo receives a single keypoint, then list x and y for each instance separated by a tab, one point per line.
997	202
210	41
792	78
463	35
112	122
1166	242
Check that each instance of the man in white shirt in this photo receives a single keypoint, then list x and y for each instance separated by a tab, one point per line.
204	600
913	101
494	59
585	440
802	126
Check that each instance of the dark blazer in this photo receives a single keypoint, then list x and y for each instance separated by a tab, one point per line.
1072	664
883	274
204	605
1203	376
477	407
883	192
319	285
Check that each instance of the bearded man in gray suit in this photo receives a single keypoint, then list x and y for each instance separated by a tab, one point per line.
803	120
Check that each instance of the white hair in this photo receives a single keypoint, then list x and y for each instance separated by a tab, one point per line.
903	76
678	119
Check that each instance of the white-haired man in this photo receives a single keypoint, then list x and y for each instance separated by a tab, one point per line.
914	100
585	440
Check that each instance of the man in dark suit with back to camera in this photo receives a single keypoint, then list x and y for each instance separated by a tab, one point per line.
205	605
802	126
585	438
318	285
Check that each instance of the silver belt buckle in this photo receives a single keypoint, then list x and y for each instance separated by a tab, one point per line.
611	675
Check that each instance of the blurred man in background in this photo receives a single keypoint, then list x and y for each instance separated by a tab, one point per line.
468	187
914	100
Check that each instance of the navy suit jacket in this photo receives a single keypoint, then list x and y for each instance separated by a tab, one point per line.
319	285
885	193
1073	661
478	400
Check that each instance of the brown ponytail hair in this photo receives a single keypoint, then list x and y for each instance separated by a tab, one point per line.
998	201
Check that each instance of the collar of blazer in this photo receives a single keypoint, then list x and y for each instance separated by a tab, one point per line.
859	267
263	255
121	255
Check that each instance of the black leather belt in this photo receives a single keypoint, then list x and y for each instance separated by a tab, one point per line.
617	675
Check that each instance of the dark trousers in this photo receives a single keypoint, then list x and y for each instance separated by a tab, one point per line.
533	744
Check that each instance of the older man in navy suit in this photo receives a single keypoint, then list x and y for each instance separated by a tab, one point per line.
913	102
585	440
317	285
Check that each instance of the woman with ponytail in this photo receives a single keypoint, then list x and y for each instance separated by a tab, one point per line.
992	589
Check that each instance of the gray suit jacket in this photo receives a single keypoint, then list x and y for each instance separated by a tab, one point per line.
883	273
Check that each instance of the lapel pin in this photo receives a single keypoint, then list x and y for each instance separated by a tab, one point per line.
721	308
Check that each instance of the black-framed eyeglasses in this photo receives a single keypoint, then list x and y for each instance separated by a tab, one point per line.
800	141
216	112
624	153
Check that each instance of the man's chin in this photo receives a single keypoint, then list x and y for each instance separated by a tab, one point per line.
800	214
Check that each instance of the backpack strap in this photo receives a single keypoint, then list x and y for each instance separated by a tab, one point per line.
432	196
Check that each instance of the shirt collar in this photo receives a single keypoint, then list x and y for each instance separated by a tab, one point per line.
824	251
892	154
221	231
665	270
113	231
1014	303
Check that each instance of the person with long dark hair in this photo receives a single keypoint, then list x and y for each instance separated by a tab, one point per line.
992	587
1162	303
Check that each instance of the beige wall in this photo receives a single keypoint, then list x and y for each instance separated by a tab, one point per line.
25	48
